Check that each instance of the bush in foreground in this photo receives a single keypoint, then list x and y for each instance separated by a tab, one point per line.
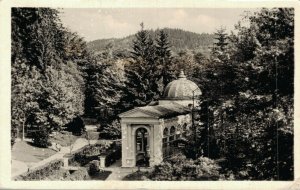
137	176
41	172
180	168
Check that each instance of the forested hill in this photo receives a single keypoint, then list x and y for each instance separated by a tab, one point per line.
178	38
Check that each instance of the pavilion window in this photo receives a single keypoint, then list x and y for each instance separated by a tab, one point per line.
178	132
166	142
172	133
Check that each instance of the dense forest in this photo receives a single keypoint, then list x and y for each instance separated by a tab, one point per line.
245	118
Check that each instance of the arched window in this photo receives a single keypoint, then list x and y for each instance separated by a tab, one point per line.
166	132
166	135
172	133
165	142
178	131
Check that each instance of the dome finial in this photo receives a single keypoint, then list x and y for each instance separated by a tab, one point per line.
181	75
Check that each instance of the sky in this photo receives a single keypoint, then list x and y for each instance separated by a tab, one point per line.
106	23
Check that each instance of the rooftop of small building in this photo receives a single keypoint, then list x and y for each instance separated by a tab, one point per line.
160	111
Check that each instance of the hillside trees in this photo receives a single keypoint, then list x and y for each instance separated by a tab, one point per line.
45	74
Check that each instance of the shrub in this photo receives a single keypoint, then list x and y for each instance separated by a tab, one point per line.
41	172
111	131
162	172
179	168
41	138
80	174
207	169
91	152
76	126
60	174
137	176
86	154
112	155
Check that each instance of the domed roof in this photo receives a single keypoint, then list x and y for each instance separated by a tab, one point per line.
181	89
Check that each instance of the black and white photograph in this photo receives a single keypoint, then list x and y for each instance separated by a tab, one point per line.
152	94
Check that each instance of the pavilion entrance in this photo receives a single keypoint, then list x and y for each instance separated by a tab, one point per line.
142	147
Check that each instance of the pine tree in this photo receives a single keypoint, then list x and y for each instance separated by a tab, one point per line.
141	80
221	36
164	58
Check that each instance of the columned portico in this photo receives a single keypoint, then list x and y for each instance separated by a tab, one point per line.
143	137
130	126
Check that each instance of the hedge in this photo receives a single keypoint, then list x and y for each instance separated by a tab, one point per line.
41	172
137	176
86	154
112	155
89	153
80	174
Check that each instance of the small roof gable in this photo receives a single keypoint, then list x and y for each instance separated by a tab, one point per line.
157	111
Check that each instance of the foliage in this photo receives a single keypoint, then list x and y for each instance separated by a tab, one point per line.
248	121
89	153
164	59
137	176
63	138
112	155
141	85
103	92
42	172
47	82
86	154
111	131
78	175
41	138
179	167
76	126
179	40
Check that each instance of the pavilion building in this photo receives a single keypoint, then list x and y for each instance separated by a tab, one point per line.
148	131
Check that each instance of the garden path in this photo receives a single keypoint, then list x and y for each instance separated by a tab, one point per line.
118	173
79	143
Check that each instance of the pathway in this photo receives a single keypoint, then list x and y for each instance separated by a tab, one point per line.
118	173
79	143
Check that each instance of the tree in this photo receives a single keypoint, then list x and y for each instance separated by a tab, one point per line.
221	36
164	58
141	86
248	88
25	95
47	83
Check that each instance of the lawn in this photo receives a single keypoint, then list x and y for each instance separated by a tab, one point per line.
26	152
23	151
64	139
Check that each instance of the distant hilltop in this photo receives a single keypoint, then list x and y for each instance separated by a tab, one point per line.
179	40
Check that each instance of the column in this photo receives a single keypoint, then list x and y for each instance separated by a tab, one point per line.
157	144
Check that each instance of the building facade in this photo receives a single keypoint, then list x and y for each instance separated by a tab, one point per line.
148	131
